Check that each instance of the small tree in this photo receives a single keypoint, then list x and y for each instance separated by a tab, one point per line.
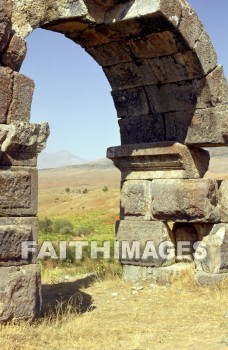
67	189
105	189
85	191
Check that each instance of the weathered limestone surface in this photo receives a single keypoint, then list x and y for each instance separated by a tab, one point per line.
15	53
165	69
13	231
135	201
21	143
157	275
18	188
20	296
197	128
223	200
215	245
157	233
6	85
159	160
20	107
5	23
185	200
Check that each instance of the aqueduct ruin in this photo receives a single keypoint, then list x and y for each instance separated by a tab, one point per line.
171	101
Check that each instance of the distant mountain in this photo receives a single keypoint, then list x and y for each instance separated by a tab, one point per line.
58	159
103	163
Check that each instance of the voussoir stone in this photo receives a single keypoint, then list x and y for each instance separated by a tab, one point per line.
5	23
197	127
185	200
20	294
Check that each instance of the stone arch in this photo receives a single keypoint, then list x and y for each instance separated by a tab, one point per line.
169	94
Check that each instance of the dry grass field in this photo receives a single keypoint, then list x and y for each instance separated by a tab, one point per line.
101	311
126	317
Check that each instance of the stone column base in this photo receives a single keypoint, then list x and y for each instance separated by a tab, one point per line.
20	292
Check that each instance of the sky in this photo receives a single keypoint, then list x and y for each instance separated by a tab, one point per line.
73	95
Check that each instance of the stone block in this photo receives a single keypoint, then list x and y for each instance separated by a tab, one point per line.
13	231
5	23
110	54
135	200
15	53
20	158
131	102
20	107
6	86
185	200
190	26
197	127
159	160
142	129
223	200
155	45
205	52
145	243
20	294
159	70
18	188
205	279
174	68
212	252
131	74
22	142
158	275
189	94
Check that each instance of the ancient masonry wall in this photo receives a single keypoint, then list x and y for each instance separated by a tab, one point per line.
171	100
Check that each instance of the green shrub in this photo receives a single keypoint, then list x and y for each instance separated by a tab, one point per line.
105	189
67	189
84	231
62	226
85	191
46	225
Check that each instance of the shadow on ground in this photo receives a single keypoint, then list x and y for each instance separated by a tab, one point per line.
58	298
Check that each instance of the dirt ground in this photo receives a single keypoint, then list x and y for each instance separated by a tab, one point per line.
112	314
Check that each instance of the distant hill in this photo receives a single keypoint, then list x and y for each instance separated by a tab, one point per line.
63	159
103	163
58	160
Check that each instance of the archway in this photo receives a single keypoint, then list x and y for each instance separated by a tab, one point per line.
169	93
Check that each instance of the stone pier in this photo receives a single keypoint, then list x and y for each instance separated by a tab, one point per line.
171	98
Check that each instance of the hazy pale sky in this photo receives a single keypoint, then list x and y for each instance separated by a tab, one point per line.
73	95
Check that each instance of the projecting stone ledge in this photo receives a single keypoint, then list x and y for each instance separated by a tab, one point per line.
21	142
164	160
